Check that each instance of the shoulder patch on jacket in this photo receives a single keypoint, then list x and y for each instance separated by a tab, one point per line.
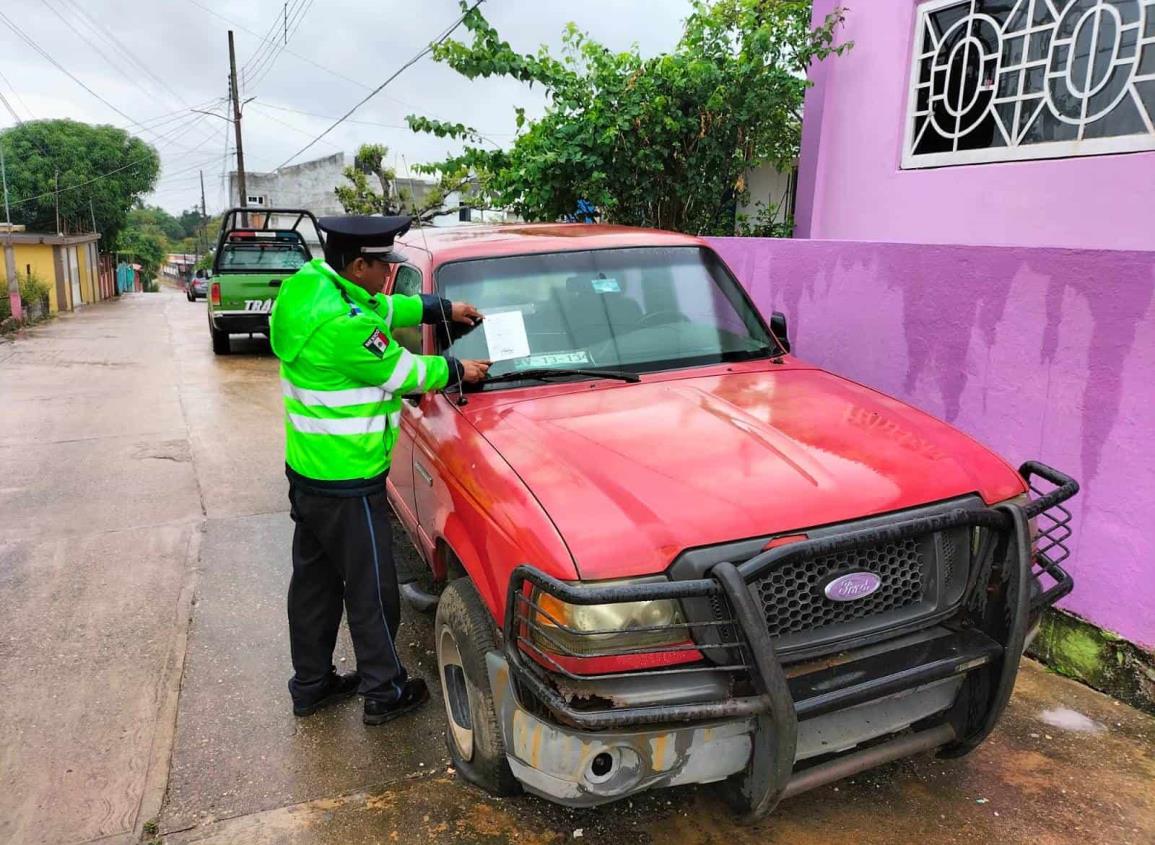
376	343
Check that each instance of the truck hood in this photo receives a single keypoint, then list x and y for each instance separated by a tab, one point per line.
634	474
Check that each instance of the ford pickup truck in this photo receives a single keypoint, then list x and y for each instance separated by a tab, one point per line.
665	550
256	251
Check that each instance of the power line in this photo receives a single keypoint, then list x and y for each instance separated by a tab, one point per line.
125	52
31	43
252	71
99	177
292	53
103	176
27	39
259	75
405	126
267	46
16	93
130	54
303	58
288	125
96	47
420	55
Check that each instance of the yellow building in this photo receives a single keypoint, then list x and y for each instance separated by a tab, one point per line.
69	264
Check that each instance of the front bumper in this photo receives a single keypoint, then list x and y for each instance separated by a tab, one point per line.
767	732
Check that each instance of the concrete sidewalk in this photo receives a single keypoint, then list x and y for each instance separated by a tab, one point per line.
100	520
144	544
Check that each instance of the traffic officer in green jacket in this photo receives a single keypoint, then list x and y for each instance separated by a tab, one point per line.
343	378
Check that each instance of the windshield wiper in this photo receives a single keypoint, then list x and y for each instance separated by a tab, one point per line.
751	354
547	373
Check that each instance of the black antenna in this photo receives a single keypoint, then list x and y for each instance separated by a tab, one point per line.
461	399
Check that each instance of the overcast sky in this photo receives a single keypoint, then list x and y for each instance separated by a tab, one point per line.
182	46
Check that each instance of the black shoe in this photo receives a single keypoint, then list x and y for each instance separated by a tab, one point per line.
413	695
339	688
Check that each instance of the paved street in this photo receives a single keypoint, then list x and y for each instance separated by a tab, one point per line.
144	557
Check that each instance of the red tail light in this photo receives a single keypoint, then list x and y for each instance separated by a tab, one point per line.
215	293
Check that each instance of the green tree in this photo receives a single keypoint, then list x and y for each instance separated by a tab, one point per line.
96	171
372	183
372	187
191	222
664	141
146	245
145	216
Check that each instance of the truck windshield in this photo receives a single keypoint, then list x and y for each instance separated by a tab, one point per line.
272	257
636	309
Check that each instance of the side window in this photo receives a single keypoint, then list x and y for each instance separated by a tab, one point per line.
408	282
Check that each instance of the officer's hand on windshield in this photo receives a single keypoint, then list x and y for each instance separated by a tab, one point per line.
475	371
463	312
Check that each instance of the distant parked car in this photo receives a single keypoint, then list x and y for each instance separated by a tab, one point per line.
198	286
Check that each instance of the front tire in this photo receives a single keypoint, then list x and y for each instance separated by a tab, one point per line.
464	633
221	343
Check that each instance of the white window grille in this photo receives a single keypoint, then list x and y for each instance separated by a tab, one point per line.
1007	80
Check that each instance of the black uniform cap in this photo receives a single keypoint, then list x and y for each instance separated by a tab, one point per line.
363	235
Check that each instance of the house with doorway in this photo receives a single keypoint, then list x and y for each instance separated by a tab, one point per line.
68	264
974	234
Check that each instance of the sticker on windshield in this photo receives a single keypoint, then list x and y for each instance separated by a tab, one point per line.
606	286
554	359
505	336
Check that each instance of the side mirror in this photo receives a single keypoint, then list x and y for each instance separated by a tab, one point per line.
779	329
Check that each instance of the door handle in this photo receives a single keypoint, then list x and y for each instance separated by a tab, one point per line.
423	472
274	283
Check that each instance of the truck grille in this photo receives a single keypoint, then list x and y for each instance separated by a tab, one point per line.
921	578
792	598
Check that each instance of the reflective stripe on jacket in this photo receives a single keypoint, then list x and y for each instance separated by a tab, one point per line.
342	374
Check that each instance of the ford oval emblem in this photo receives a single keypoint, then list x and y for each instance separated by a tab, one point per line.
852	586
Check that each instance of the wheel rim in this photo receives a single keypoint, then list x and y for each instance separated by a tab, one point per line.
459	695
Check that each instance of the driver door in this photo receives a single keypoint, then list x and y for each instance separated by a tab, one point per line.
407	280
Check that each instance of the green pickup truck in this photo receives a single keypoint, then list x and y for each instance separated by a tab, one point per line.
256	251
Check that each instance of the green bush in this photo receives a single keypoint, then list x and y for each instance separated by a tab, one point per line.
32	289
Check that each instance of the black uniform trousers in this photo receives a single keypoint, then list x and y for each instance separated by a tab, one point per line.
343	551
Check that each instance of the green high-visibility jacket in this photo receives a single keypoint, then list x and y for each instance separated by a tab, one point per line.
343	376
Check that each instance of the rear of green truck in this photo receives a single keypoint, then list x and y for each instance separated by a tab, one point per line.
250	265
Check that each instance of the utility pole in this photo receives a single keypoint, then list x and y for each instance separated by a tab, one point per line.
244	191
58	202
94	247
9	252
204	216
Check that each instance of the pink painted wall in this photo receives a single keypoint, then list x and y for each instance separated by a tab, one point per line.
1039	353
851	185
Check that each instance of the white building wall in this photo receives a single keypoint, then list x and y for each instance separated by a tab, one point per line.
770	188
311	186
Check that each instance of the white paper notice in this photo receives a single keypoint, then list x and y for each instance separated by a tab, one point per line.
505	336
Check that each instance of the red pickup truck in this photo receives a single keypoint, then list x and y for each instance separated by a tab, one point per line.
667	551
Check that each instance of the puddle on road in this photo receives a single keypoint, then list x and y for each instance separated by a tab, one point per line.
1071	720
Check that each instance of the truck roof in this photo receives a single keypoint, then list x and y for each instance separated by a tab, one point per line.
459	243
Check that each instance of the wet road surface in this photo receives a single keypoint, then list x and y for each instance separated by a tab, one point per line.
144	558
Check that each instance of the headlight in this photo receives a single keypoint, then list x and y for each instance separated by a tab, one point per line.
599	629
